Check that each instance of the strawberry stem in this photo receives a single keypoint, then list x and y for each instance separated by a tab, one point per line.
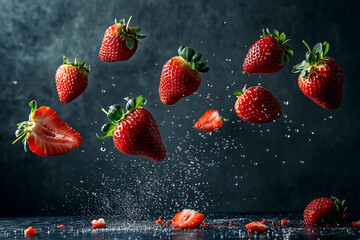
104	111
127	25
307	45
19	137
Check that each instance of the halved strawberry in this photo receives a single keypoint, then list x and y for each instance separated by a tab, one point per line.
100	223
46	133
187	219
256	226
210	121
30	231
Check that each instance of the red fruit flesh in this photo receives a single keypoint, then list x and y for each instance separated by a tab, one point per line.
100	223
159	221
113	47
60	226
178	80
139	134
283	222
257	105
51	136
210	121
264	57
324	84
30	231
70	82
320	211
356	224
256	226
187	219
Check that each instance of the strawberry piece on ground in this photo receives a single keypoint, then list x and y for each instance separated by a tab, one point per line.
283	222
256	226
167	223
231	223
30	231
356	224
100	223
187	219
60	226
210	121
159	221
263	221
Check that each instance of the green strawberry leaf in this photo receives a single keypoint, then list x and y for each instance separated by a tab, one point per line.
325	48
282	37
304	73
205	69
140	36
108	135
140	101
137	29
115	113
33	106
284	58
276	33
130	42
196	57
130	105
188	53
180	50
108	126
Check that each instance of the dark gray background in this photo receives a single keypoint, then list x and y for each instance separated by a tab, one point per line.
278	167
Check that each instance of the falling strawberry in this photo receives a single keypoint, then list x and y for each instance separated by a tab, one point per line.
210	121
187	219
30	231
269	54
71	79
257	105
256	226
180	76
120	41
46	133
323	211
321	78
134	132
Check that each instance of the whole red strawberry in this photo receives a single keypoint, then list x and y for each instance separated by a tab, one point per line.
71	79
46	133
257	105
180	76
321	77
210	121
120	42
269	54
134	132
324	211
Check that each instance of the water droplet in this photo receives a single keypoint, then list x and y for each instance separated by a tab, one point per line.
103	91
14	82
103	149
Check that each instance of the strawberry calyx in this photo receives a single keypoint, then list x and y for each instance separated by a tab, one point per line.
129	34
26	127
287	52
189	55
78	65
116	114
340	205
239	92
313	57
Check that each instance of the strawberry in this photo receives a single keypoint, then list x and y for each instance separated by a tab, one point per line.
283	222
180	76
256	226
167	223
60	226
323	211
263	221
231	223
356	224
210	121
100	223
257	105
269	54
159	221
71	79
46	133
120	41
187	219
135	132
321	77
30	231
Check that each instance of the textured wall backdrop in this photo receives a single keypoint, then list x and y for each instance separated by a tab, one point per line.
309	152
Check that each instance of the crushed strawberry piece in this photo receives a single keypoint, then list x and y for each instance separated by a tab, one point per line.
356	224
159	221
60	226
263	221
134	222
167	223
273	223
256	226
30	231
100	223
283	222
231	223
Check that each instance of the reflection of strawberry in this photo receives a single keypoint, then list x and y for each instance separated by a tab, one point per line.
46	133
210	121
71	79
120	41
321	78
134	132
256	226
268	55
257	105
323	211
187	219
180	76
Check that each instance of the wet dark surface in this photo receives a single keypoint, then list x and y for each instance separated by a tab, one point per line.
79	227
